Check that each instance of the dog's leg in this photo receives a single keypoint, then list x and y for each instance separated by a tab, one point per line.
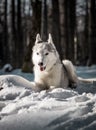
71	73
18	81
73	79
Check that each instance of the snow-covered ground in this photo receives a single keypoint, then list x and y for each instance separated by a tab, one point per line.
60	109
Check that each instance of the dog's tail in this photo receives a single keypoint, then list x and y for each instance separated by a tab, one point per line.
70	70
90	80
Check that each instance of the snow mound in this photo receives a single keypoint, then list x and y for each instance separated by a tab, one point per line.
60	109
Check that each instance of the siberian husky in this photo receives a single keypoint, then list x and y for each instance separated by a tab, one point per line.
49	71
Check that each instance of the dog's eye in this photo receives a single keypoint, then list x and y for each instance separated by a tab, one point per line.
46	53
37	53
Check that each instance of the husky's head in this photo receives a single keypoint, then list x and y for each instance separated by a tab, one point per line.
45	54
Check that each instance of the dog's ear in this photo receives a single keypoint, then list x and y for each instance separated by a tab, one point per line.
38	39
50	41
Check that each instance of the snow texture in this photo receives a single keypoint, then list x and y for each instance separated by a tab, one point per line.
59	109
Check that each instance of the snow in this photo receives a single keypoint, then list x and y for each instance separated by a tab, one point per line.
60	109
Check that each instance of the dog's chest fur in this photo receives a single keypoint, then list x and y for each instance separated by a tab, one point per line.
53	78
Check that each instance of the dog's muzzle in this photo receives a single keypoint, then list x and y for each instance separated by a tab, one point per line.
42	67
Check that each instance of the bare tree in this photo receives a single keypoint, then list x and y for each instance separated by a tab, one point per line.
4	55
67	25
85	46
36	25
92	26
13	39
56	26
70	24
19	44
6	33
44	20
62	28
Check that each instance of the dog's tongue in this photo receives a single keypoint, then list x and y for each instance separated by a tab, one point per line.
42	68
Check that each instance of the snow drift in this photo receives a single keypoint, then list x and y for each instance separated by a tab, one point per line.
60	109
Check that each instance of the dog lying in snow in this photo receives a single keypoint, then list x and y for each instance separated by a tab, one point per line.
49	71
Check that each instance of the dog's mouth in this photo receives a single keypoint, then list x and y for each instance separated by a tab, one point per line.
42	68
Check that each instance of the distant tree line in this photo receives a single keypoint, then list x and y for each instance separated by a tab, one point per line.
72	24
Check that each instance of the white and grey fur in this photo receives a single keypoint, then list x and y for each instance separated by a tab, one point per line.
49	71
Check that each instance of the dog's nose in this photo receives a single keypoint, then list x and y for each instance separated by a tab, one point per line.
40	63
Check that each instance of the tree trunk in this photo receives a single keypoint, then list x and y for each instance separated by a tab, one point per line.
86	37
92	43
62	28
67	24
36	25
70	22
56	26
19	45
5	33
13	39
44	34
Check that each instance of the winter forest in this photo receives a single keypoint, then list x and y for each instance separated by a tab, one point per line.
72	24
